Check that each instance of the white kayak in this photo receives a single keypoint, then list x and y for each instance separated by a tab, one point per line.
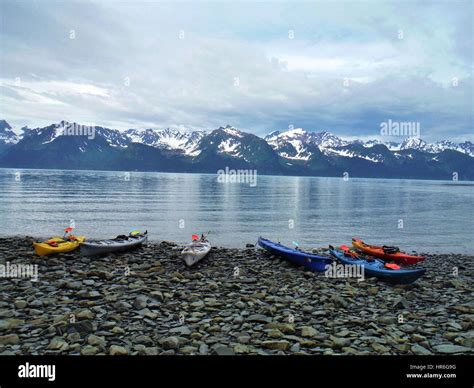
195	251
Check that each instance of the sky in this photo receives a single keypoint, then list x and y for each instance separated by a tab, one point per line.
344	67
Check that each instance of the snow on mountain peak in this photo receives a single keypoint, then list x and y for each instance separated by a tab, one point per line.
294	132
4	125
231	131
295	143
171	139
7	135
272	134
291	144
414	143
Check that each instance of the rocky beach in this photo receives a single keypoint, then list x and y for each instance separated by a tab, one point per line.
235	301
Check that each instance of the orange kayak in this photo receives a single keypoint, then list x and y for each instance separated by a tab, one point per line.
386	253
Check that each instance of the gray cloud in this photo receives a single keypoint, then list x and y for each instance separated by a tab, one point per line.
236	65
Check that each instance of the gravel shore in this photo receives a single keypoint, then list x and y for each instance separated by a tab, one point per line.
235	301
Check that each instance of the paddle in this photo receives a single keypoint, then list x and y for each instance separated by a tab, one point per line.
67	230
56	243
347	251
297	246
195	237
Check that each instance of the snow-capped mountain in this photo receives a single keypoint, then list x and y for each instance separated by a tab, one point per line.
7	135
165	139
293	152
297	143
42	135
170	139
241	149
466	147
113	137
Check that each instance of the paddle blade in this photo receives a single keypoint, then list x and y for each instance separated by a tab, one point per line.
195	237
392	266
68	229
295	244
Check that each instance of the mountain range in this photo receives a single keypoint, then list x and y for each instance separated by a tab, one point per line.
292	152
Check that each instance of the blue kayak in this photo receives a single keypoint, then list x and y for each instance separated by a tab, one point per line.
378	268
312	262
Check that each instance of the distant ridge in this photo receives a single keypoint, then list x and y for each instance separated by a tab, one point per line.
292	152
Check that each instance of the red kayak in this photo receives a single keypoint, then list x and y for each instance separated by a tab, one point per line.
386	253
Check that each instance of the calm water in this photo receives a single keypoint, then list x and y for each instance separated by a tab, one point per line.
436	216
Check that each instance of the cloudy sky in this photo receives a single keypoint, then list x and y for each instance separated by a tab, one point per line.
342	67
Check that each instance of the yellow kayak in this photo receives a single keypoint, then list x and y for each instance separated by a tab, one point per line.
58	245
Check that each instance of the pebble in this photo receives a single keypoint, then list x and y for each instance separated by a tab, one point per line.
58	343
88	307
10	323
181	330
89	350
96	340
85	315
259	318
339	342
140	302
420	350
116	350
9	339
224	351
451	349
276	345
21	304
309	332
169	342
241	349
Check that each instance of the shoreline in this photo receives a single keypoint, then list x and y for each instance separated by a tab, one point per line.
242	246
466	182
235	301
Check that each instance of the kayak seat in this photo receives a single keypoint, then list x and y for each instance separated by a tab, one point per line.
121	237
390	250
